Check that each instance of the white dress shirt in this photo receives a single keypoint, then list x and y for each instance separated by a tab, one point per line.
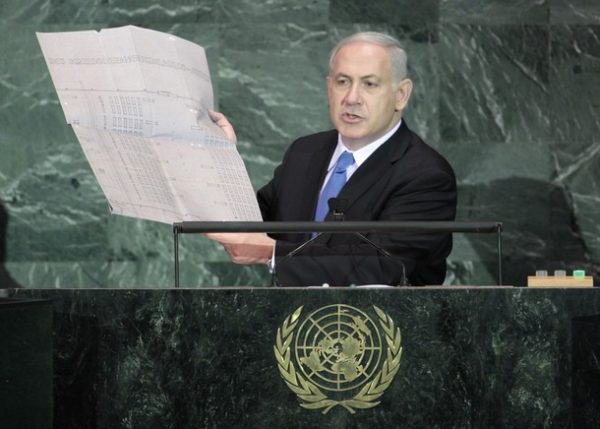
360	155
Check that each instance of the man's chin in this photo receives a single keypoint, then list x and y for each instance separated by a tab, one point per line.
355	141
351	131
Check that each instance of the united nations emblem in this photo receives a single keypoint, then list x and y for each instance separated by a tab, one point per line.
338	356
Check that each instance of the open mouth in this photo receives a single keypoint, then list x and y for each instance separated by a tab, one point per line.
351	117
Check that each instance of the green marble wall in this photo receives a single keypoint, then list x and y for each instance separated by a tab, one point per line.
471	358
507	90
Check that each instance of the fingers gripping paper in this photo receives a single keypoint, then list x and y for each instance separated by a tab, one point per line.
138	102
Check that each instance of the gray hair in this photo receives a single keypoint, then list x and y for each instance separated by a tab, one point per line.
391	44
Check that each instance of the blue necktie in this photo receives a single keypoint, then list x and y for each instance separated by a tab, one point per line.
334	185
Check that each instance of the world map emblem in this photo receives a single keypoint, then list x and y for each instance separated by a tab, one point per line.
338	355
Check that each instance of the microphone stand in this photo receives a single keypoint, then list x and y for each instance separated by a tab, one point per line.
338	206
383	226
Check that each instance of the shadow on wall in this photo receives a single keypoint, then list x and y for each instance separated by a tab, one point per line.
540	229
6	281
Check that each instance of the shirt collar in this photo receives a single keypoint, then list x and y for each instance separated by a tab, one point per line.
363	153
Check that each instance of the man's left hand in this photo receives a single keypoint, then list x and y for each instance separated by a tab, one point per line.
245	248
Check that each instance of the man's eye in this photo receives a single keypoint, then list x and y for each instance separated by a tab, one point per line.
342	82
371	84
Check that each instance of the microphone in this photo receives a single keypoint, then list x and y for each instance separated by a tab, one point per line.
338	206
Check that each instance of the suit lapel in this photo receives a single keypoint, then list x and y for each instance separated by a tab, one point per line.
316	170
376	166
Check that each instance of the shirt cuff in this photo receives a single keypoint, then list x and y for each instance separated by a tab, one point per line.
271	262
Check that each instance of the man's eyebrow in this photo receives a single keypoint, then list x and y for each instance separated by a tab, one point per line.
370	76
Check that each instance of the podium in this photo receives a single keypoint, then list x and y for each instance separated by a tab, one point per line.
25	364
188	358
586	371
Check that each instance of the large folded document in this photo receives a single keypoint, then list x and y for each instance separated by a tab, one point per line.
138	102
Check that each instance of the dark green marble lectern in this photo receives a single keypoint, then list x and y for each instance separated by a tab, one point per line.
25	364
444	357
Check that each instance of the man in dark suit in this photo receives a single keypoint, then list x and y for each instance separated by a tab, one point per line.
372	161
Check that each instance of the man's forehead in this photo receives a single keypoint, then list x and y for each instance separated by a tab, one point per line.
361	49
361	57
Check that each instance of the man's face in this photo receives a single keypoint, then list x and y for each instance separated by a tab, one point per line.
363	98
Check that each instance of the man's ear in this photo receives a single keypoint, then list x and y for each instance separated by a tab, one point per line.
403	92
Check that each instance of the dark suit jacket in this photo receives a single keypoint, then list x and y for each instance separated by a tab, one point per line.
403	180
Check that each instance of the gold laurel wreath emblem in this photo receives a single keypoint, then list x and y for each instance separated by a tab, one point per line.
311	396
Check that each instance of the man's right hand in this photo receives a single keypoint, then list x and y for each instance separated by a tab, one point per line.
220	119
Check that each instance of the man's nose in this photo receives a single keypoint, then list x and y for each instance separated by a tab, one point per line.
353	95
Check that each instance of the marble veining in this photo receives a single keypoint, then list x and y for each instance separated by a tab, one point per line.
472	357
506	90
